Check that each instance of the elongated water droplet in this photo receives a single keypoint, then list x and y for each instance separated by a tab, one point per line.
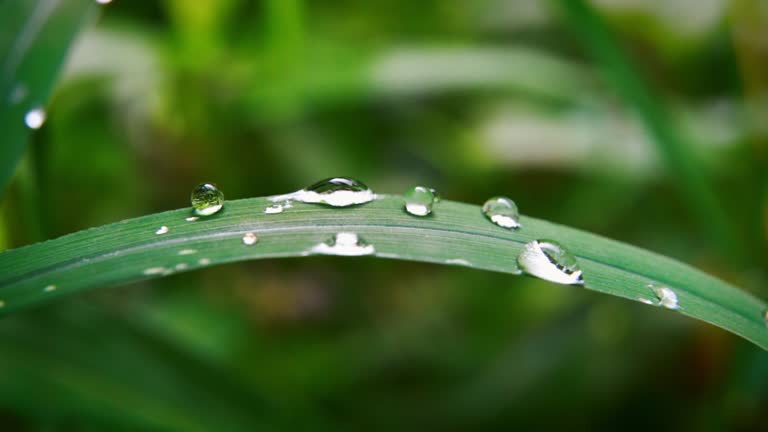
35	118
191	218
187	251
204	261
665	296
458	261
162	230
502	211
250	239
335	192
154	271
103	1
419	201
50	288
551	261
344	244
274	209
181	266
207	199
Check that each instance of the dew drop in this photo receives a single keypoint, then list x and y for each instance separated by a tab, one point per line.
665	296
502	211
103	1
181	266
419	201
35	118
162	230
335	192
207	199
187	251
50	288
204	261
274	209
458	261
191	218
154	271
344	244
646	301
250	239
551	261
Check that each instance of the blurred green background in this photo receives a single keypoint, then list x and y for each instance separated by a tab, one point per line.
662	145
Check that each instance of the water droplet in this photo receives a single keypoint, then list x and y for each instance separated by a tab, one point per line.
162	230
181	266
665	296
344	244
187	251
458	261
50	288
154	271
207	199
419	201
35	118
274	209
551	261
646	301
502	211
191	218
250	239
336	192
204	261
103	1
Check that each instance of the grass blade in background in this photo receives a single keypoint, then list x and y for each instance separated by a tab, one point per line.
455	234
34	41
673	148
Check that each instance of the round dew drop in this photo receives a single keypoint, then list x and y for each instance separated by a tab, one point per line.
551	261
35	118
207	199
250	239
665	296
419	201
503	212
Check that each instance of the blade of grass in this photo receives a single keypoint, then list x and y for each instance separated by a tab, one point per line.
674	149
456	233
34	41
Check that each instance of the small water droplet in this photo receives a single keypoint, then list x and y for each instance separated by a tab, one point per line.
50	288
419	201
191	218
187	251
35	118
154	271
502	211
335	192
458	261
274	209
646	301
103	1
665	296
344	244
207	199
162	230
551	261
204	261
181	266
250	239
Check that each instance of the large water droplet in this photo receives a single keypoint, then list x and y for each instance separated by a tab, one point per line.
502	211
665	296
207	199
419	201
35	118
336	192
162	230
250	239
344	244
551	261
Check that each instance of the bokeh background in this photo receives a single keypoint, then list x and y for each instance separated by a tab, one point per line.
475	98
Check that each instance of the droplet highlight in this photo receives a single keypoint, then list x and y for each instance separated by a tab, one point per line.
207	199
419	201
191	218
162	230
50	288
204	261
344	244
335	192
274	209
154	271
35	118
250	239
551	261
187	251
503	212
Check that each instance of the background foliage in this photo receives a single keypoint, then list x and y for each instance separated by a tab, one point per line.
528	99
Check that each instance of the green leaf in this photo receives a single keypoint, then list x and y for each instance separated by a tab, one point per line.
121	252
34	41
